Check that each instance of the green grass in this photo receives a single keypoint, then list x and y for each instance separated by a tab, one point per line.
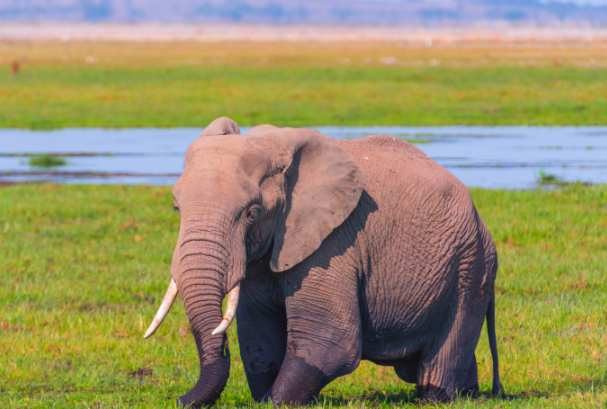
84	269
43	97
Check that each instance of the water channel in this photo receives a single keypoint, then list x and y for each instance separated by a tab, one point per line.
490	157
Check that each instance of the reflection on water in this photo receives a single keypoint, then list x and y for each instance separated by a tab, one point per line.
492	157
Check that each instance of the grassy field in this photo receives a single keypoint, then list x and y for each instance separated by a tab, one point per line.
85	268
298	84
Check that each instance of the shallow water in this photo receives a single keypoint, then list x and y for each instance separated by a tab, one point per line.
490	157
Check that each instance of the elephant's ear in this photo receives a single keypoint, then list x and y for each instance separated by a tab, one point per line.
322	186
221	126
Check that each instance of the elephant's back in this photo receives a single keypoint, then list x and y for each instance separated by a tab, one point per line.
385	145
393	165
412	243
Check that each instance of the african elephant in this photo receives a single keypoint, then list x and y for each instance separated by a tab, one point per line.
330	252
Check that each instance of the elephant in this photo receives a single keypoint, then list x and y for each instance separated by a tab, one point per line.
329	252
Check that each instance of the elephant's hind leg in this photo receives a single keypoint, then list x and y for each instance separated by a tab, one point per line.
448	365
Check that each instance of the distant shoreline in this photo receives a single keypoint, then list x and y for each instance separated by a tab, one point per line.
495	33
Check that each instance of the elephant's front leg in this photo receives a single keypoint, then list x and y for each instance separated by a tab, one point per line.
324	334
262	335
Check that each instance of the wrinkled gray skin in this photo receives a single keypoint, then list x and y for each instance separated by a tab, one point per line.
345	250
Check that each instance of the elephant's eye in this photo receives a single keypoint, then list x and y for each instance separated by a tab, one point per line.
252	213
175	209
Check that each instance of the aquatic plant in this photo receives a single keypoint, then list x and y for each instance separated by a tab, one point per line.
46	161
548	178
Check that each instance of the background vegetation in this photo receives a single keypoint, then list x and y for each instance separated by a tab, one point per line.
84	269
298	84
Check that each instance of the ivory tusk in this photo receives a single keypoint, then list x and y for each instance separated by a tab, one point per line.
230	311
167	302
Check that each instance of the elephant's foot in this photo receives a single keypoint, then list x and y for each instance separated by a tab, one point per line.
261	384
432	394
436	394
470	392
298	383
266	397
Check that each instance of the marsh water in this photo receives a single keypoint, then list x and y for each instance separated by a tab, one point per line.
490	157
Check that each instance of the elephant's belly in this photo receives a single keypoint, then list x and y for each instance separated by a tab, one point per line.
388	349
406	368
398	323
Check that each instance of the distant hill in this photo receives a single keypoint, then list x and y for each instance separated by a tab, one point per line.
301	11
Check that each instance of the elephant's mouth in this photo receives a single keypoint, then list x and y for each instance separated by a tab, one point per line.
169	299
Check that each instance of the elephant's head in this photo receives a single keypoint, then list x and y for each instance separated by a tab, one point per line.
272	191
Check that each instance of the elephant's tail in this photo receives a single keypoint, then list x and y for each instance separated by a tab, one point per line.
498	389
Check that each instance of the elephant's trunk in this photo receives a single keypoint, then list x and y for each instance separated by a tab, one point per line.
202	277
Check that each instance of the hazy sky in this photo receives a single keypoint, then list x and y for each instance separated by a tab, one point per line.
592	2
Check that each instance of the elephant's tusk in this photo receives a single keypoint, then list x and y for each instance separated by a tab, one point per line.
230	311
167	302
